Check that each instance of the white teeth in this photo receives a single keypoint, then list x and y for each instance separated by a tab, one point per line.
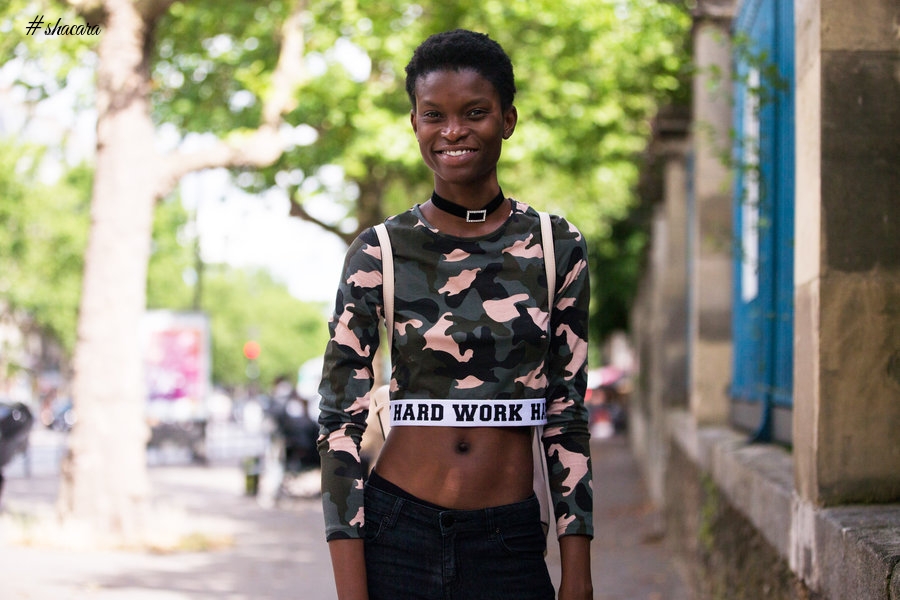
456	152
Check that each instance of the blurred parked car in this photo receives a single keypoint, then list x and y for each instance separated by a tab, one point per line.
15	426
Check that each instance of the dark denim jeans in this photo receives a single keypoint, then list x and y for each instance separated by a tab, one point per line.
417	552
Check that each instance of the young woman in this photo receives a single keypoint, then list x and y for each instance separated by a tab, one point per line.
449	511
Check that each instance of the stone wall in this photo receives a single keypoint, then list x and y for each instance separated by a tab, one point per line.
722	554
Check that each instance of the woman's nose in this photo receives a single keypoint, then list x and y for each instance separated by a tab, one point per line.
453	130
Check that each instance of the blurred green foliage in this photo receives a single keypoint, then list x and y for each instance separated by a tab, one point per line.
590	76
43	235
249	305
590	73
242	304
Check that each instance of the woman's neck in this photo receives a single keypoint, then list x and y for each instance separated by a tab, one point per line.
472	197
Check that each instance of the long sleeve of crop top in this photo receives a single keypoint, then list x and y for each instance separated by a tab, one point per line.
566	435
484	301
347	379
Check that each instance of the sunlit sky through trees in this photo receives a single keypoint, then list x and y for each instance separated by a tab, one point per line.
236	228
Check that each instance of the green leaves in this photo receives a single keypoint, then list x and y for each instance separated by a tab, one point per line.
241	304
245	305
43	235
590	76
46	60
590	73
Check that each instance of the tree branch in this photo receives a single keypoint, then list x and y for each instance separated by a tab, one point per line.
93	11
263	146
290	71
298	210
153	9
258	148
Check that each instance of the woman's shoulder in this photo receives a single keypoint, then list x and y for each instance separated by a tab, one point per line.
409	220
368	236
563	229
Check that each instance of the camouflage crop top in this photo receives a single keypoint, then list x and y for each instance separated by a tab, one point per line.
470	323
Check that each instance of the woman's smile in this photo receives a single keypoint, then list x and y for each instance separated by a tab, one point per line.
455	152
456	158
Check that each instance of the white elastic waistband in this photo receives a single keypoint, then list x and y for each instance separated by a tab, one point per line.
469	413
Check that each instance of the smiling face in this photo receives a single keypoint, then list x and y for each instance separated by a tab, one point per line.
460	125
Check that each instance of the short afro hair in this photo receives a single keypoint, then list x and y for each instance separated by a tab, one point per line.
458	50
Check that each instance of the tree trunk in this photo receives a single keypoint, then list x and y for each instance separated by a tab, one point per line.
104	482
104	487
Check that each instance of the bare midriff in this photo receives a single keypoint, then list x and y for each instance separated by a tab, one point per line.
463	468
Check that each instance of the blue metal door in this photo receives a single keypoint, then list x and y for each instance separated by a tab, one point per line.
763	218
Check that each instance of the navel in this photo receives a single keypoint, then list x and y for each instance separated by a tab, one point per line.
462	447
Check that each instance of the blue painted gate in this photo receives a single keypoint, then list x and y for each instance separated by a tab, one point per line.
763	155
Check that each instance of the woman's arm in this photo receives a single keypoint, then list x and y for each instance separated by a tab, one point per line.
575	556
346	382
566	436
349	565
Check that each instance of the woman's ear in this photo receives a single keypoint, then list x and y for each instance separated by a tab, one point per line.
412	121
509	122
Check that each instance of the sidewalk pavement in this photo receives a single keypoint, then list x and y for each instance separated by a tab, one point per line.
278	553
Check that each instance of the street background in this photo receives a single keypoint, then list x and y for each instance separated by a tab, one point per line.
244	549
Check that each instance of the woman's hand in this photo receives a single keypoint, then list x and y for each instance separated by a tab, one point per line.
575	556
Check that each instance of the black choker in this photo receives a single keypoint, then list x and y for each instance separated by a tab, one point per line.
471	216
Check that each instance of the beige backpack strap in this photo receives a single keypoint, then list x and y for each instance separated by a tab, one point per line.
387	276
381	396
549	256
541	476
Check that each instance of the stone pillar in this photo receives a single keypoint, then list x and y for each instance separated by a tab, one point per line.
669	258
673	353
668	261
846	422
710	224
